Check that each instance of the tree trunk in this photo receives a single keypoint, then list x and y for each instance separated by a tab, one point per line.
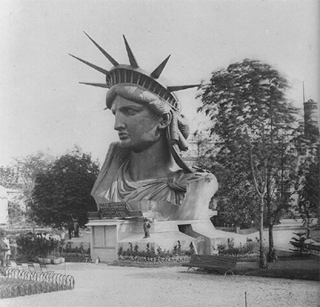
263	261
272	252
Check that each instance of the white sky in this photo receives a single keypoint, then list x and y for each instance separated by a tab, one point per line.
43	107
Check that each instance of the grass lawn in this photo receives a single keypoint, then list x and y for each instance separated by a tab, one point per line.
289	267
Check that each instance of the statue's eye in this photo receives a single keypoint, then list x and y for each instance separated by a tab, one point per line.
131	111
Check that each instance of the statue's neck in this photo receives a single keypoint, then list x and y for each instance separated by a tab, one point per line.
154	162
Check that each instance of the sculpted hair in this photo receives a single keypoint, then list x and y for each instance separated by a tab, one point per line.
157	106
138	95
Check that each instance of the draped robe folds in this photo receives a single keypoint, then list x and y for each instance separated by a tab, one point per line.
180	196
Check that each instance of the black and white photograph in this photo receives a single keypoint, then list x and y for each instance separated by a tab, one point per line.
159	153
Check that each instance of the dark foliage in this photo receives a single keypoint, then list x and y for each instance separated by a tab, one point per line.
64	189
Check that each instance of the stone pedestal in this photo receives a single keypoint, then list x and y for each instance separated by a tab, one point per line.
110	234
163	234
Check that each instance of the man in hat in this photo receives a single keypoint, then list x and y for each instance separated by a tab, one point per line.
145	169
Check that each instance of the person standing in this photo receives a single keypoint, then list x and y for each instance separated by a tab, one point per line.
8	252
3	249
75	225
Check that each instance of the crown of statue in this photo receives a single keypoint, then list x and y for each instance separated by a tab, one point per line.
132	74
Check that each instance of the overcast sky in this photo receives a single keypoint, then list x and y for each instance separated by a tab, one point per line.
44	108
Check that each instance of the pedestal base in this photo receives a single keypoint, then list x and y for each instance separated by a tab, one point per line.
166	241
110	235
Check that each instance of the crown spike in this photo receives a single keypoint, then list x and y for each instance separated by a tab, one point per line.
106	54
157	72
91	65
180	87
104	85
132	59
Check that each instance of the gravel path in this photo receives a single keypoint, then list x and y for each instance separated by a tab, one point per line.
103	285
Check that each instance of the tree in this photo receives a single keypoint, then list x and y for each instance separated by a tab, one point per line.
235	197
28	169
249	112
309	198
8	177
21	177
234	191
9	180
64	189
15	213
281	182
308	185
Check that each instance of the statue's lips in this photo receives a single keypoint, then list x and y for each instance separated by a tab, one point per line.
123	136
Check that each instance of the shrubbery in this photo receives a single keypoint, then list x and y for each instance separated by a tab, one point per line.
31	245
150	254
231	250
299	243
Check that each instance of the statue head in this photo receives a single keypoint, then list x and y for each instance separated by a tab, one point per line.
132	83
139	126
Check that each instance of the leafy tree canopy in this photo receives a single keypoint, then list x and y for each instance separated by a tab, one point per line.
23	171
236	199
249	112
246	100
21	176
255	123
309	195
64	189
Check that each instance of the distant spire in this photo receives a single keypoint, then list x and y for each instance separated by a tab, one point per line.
132	59
303	92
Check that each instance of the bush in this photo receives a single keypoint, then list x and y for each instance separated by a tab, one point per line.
231	250
299	243
31	245
150	254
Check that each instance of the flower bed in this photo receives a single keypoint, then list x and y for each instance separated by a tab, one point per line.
154	259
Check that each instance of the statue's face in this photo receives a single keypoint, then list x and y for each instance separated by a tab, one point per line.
137	126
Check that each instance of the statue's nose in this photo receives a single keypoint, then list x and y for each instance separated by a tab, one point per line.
118	122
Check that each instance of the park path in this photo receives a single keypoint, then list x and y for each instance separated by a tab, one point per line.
112	286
